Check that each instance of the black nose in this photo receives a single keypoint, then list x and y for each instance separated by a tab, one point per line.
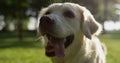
46	20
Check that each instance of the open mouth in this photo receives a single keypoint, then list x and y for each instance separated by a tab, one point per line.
56	46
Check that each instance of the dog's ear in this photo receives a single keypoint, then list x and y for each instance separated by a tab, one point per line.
88	24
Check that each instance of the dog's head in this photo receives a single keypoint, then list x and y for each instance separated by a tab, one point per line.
60	22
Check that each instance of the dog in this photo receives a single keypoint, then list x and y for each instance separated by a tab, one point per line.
69	33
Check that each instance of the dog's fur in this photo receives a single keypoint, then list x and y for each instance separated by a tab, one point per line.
86	47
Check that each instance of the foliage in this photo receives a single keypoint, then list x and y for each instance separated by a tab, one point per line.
13	8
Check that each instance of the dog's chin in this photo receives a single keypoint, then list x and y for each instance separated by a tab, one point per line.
56	46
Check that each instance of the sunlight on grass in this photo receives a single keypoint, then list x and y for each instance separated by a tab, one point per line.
23	55
112	42
25	51
29	51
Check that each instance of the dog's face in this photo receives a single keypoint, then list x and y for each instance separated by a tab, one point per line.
60	22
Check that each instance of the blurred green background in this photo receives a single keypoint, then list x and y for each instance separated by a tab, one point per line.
18	19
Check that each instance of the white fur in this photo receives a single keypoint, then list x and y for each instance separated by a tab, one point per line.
83	49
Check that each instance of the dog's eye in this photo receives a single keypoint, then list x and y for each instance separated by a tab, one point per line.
69	14
47	13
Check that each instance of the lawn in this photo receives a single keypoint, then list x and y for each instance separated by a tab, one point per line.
29	51
112	42
25	51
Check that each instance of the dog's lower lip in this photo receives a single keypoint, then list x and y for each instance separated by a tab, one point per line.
51	48
55	46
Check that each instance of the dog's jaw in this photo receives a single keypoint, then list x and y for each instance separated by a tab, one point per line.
56	46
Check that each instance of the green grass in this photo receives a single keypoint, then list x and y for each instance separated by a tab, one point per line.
13	50
29	51
112	42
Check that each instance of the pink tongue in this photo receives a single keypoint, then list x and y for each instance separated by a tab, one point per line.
59	47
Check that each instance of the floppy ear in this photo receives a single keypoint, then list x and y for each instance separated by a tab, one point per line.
89	25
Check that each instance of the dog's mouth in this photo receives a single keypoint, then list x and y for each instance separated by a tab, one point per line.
56	46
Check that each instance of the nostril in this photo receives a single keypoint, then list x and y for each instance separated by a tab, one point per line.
46	20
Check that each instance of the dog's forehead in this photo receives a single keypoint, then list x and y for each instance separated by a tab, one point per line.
61	6
55	6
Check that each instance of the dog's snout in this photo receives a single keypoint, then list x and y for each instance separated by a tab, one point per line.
46	20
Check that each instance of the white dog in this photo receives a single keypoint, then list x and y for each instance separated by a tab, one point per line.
70	33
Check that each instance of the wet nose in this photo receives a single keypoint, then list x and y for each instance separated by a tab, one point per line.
46	20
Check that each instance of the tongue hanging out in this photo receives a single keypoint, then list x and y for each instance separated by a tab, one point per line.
59	47
55	47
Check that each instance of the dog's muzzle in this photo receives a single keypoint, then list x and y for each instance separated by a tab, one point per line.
55	45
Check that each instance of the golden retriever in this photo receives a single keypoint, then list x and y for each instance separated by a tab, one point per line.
69	31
